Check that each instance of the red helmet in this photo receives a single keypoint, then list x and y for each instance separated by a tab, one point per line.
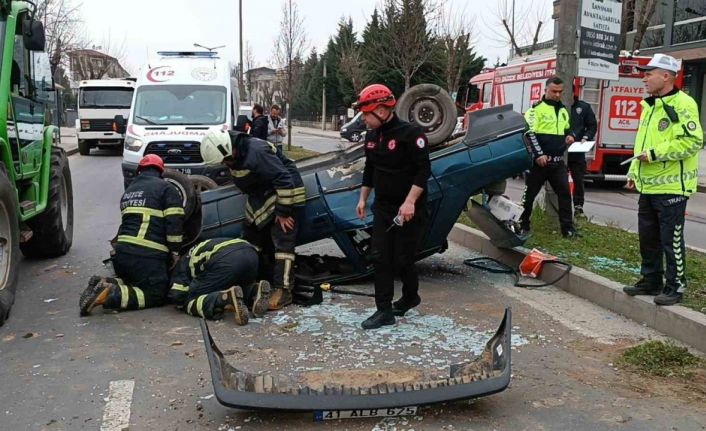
151	160
373	96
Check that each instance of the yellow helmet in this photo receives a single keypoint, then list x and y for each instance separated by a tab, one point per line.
215	147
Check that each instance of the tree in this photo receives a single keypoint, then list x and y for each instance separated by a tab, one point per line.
62	25
455	43
350	56
521	34
248	66
289	49
642	16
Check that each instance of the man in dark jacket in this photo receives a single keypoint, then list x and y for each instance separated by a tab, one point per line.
148	243
275	190
397	166
219	275
549	133
260	123
583	127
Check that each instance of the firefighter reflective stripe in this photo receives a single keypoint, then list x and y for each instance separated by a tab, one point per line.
240	173
195	306
142	242
174	211
299	195
199	304
140	297
175	238
142	211
201	259
288	259
263	213
179	287
193	259
679	256
291	196
144	226
124	294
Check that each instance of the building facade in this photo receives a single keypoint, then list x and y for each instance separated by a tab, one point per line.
91	64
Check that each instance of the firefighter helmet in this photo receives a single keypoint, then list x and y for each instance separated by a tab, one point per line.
373	96
151	160
215	147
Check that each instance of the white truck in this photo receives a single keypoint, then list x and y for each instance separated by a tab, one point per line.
99	101
178	100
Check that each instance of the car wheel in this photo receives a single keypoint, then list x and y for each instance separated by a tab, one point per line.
355	137
430	107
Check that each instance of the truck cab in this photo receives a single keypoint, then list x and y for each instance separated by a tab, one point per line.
178	100
99	101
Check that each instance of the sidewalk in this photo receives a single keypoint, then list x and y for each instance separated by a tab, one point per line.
69	141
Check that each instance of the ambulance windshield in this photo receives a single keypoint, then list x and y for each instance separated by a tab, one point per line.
180	105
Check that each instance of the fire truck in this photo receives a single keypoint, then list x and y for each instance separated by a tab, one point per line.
615	103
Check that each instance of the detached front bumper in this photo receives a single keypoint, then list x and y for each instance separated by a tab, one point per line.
488	374
219	174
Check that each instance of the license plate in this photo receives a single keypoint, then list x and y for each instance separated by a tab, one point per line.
326	415
185	171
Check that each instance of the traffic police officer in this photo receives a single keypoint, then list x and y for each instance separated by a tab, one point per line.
275	190
148	243
397	166
549	134
583	127
218	275
665	173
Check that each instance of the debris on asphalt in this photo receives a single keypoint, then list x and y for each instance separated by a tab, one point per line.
177	343
50	268
50	300
30	335
8	338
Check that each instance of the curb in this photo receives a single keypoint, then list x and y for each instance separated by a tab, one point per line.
700	189
676	321
320	135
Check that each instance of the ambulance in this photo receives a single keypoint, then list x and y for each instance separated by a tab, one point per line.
178	100
615	103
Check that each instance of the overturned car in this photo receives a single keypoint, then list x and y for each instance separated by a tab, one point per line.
493	149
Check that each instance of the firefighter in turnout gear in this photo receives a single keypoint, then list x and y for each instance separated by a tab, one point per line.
275	190
147	244
219	275
549	134
397	166
665	174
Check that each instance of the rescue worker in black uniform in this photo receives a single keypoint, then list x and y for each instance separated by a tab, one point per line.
219	275
549	134
397	166
275	190
147	246
583	127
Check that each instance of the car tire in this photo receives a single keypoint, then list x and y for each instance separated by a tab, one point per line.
84	147
355	137
202	183
9	244
53	229
430	107
185	188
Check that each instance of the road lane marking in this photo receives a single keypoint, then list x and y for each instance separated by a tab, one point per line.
116	416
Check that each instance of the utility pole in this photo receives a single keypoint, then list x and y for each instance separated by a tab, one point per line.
290	48
566	70
323	101
241	83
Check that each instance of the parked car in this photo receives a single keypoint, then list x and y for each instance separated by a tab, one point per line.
354	130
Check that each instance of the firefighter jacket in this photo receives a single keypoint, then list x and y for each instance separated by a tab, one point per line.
672	137
197	260
396	158
583	121
271	180
549	123
152	216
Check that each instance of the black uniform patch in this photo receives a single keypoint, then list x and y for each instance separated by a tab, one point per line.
691	125
663	124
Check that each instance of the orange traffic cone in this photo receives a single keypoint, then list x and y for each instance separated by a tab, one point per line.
571	185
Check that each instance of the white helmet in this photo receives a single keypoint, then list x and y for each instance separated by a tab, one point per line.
215	147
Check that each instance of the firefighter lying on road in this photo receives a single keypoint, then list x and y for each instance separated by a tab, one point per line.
147	245
274	188
219	275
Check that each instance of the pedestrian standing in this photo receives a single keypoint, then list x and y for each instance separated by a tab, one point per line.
275	128
259	123
665	174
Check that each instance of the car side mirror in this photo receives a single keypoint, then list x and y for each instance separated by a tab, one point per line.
33	35
119	124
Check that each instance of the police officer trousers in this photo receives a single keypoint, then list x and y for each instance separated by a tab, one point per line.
555	173
143	281
394	249
233	266
276	251
660	221
577	167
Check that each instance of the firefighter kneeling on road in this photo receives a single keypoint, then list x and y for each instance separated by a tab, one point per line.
549	134
397	166
147	245
665	173
275	190
219	275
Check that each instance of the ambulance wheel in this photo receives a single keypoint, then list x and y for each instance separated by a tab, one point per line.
185	188
430	107
9	245
53	229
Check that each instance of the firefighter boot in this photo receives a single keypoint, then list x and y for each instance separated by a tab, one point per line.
644	287
232	300
95	294
280	298
262	298
379	319
403	305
